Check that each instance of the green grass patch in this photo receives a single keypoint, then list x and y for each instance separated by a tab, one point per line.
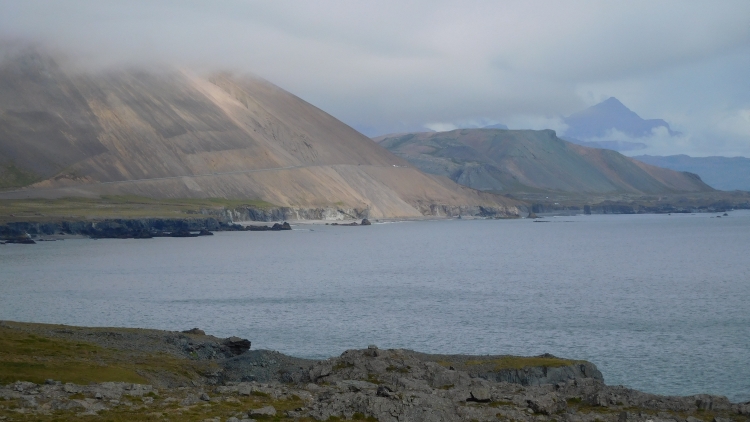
508	362
260	394
29	357
342	365
75	209
399	369
14	177
373	379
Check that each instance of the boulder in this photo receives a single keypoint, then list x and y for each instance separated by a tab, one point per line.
480	394
236	345
263	411
547	404
365	222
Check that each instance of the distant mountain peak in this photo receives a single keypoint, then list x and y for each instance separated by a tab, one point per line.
600	120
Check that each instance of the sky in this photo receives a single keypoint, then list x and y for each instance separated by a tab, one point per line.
396	66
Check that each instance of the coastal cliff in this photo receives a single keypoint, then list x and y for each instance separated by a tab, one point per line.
54	372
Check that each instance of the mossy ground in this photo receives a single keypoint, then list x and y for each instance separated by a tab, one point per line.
29	357
14	177
165	409
509	362
76	209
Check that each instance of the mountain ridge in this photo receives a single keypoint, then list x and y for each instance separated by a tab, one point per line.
525	160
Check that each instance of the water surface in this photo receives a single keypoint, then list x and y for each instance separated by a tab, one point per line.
659	303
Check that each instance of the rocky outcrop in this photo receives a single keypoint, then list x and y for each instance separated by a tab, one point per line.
371	384
442	210
119	228
128	228
290	213
368	384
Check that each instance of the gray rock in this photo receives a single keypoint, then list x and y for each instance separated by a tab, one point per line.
709	402
190	400
548	404
356	385
236	345
480	394
263	411
244	389
205	397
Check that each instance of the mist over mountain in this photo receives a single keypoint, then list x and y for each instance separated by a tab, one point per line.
598	126
725	173
169	133
527	161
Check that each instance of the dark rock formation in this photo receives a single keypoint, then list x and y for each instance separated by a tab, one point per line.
236	345
365	222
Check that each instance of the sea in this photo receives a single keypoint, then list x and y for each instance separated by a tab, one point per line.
660	303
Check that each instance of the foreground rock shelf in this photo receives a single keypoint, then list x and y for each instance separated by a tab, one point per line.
192	376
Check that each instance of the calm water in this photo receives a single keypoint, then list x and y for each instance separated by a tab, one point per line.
659	303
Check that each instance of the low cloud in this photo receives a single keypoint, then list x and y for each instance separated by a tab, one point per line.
393	66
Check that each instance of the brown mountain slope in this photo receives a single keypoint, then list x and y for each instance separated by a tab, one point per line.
174	134
525	160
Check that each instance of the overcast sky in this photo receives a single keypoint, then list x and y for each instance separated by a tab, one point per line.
392	66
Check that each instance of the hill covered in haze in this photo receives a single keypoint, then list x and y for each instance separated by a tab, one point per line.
174	134
725	173
594	126
526	161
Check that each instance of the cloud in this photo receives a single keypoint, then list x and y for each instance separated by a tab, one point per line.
390	66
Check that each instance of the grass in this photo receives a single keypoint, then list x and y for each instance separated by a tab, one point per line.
342	365
401	370
14	177
29	357
510	362
76	209
170	411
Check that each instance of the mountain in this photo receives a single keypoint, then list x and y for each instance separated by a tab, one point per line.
724	173
592	126
527	160
174	134
496	126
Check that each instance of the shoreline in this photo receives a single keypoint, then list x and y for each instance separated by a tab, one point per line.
146	228
195	376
